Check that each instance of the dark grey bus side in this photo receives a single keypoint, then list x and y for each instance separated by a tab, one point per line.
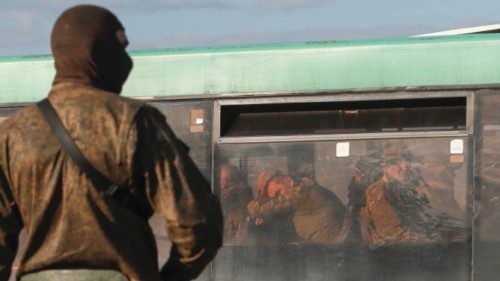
440	145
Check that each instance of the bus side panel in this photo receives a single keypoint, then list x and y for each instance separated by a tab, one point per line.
192	124
487	183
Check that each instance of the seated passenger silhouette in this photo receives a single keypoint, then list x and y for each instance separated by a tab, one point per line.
397	208
367	172
317	215
235	196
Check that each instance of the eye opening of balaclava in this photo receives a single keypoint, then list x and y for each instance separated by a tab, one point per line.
88	43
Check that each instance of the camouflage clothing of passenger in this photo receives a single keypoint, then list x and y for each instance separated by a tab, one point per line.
401	213
234	200
366	173
69	224
318	215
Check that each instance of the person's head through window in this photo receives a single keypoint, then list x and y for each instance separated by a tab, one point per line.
396	170
271	183
230	175
280	185
396	160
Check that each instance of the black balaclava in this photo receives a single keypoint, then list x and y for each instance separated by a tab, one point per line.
88	46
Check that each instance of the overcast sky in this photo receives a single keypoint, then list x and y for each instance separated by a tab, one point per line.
25	24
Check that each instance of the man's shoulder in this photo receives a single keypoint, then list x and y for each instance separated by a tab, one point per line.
118	100
72	94
133	106
25	114
89	101
15	127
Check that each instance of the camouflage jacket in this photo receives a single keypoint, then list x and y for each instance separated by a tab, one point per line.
68	222
318	215
402	213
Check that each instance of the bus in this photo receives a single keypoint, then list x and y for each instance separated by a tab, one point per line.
336	160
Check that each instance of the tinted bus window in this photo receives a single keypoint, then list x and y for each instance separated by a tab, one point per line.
350	210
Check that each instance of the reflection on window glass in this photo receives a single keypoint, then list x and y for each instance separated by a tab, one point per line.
401	194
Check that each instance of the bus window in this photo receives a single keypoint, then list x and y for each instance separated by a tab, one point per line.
445	114
286	203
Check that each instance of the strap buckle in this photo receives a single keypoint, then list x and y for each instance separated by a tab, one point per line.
112	190
119	193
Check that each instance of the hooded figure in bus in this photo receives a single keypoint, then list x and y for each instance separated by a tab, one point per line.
234	198
318	216
367	172
397	208
69	223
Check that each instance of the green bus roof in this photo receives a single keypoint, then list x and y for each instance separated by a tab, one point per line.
283	68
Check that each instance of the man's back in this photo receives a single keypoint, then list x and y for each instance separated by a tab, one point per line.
67	221
70	223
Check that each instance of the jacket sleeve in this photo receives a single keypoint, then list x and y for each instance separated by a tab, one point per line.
10	227
176	189
276	205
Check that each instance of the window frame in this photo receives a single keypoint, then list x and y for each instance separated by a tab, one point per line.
336	97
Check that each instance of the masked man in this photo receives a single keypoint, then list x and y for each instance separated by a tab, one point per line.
73	231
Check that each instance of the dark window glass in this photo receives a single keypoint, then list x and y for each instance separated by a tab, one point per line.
343	117
350	210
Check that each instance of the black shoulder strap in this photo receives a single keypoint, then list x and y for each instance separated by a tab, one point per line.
120	194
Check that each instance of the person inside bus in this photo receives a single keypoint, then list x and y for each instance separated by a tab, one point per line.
397	208
75	231
275	229
235	196
317	214
366	172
